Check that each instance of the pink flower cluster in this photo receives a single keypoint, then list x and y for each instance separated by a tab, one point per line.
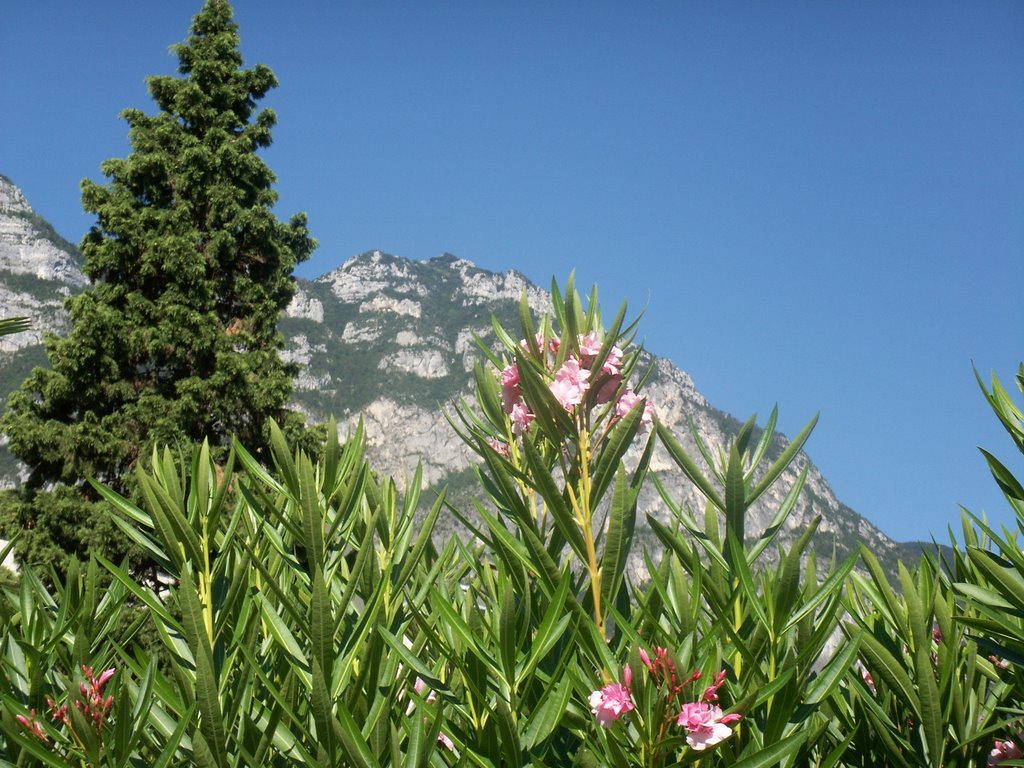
573	383
92	704
704	721
1004	750
32	725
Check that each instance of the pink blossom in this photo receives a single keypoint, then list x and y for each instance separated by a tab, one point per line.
710	694
705	724
419	686
553	344
105	675
32	725
868	681
499	446
590	346
626	403
445	741
570	384
510	392
613	363
1003	750
521	418
610	703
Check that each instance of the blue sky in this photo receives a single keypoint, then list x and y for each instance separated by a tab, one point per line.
820	205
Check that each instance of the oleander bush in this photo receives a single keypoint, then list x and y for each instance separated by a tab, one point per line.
305	615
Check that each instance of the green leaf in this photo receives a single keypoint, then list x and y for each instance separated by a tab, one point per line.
689	467
618	539
831	586
510	747
211	725
609	458
780	464
546	717
933	723
327	729
890	670
823	684
773	754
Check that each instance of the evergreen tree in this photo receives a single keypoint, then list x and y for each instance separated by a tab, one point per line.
176	338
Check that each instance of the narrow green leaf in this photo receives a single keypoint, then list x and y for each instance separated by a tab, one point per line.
618	539
831	586
511	750
890	670
773	754
507	645
784	460
781	514
689	467
327	729
823	684
933	723
211	724
609	458
356	748
546	717
282	455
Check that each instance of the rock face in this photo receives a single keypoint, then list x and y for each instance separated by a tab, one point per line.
38	270
391	342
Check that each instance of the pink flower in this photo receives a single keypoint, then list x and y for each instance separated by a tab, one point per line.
510	392
446	742
626	403
711	692
613	363
419	686
521	418
105	675
590	345
1003	750
538	337
500	447
570	384
32	725
868	681
610	703
705	724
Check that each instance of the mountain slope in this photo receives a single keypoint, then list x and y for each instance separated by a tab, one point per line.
391	341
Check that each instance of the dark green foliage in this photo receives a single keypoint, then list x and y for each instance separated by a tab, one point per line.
176	338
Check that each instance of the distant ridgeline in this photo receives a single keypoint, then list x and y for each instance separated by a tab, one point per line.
391	341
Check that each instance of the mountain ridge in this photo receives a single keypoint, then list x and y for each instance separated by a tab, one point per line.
391	342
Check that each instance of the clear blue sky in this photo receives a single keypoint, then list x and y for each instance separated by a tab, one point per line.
820	204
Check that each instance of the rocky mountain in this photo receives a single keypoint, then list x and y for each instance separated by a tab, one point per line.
390	341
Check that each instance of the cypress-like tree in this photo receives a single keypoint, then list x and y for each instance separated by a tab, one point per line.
175	340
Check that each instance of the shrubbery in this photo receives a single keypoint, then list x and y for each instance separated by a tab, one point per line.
305	615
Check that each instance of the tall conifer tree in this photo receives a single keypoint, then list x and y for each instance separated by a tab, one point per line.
176	338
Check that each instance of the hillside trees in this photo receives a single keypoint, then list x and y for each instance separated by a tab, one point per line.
176	338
